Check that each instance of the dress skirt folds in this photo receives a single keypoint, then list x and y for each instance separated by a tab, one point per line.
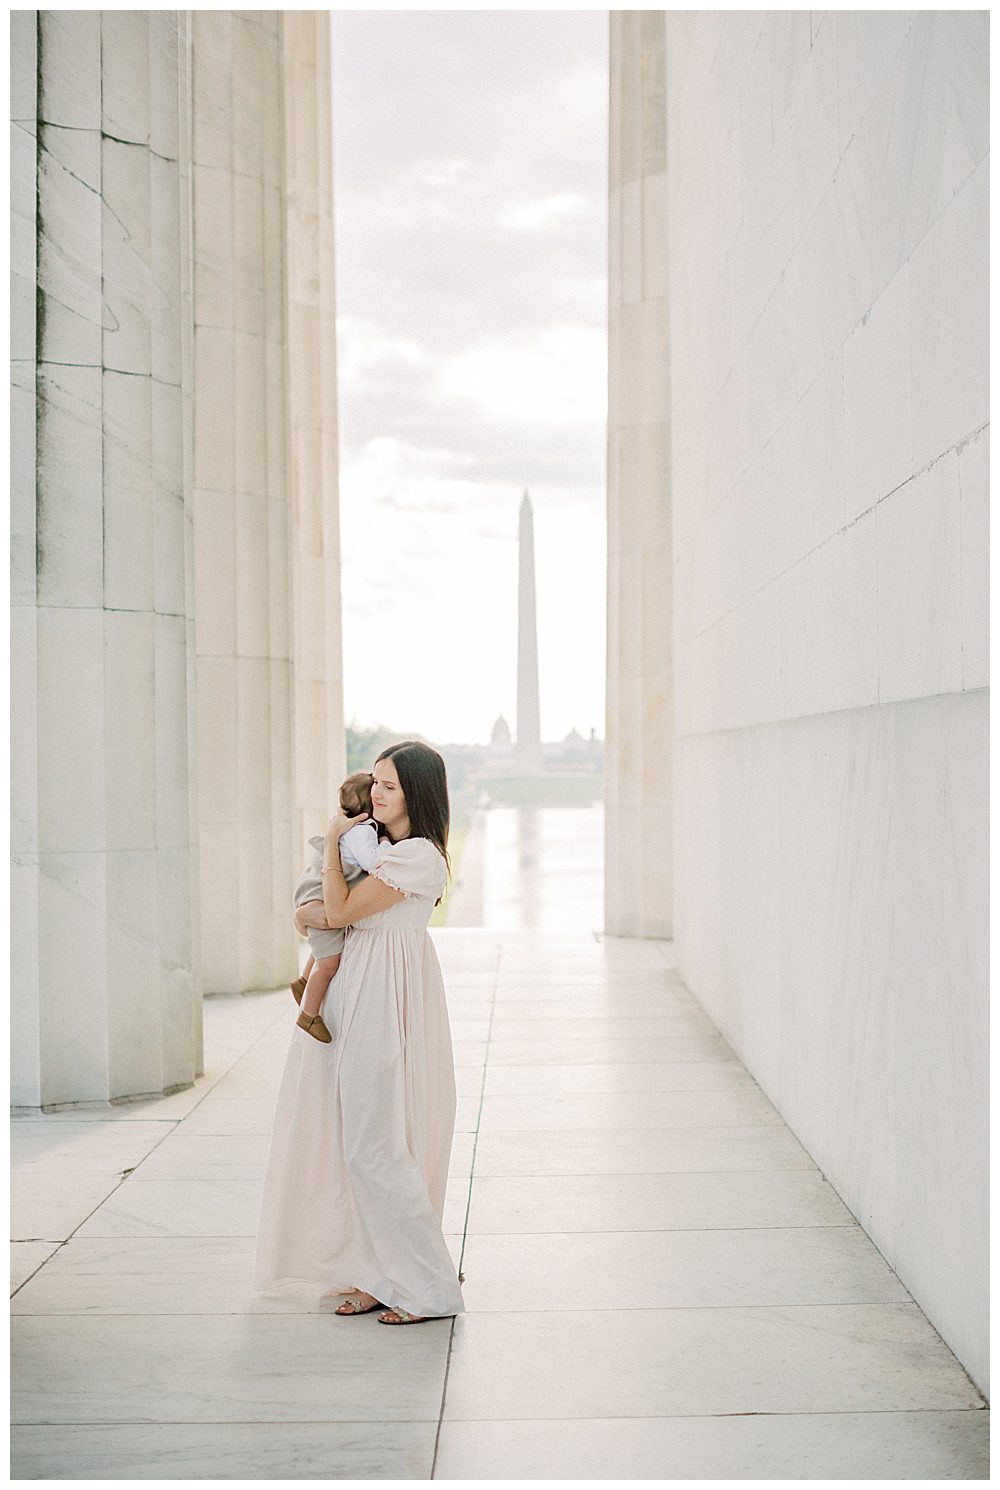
355	1181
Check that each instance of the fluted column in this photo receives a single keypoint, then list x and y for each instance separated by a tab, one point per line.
318	719
639	730
104	961
173	396
241	516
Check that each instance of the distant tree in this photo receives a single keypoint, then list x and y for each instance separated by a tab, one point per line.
363	745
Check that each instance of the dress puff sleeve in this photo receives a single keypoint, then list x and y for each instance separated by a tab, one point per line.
413	866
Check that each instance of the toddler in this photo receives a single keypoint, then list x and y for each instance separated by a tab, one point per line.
358	852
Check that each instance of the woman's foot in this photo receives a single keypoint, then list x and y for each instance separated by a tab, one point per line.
400	1316
358	1302
313	1025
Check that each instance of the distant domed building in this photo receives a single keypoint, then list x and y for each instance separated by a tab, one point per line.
500	739
500	752
574	753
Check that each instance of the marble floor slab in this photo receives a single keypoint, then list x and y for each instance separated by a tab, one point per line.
467	1110
598	1003
187	1156
778	1446
25	1260
636	1076
467	979
42	1211
255	1077
84	1147
468	1007
470	1053
164	1275
577	1046
638	1362
144	1275
533	1204
676	1024
225	1451
659	1282
475	1028
456	1205
216	1207
565	985
217	1368
229	1115
463	1148
518	1273
582	1110
469	1081
639	1150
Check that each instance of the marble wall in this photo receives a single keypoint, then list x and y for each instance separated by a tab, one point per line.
155	817
638	752
827	193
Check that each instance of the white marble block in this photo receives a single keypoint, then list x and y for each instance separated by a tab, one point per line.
824	242
639	726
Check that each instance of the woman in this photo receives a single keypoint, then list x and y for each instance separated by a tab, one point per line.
355	1182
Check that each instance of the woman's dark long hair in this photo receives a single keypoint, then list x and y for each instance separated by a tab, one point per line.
424	781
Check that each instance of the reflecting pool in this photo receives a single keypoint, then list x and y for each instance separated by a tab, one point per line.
539	868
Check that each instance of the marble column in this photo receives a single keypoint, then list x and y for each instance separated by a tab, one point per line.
105	990
317	674
270	716
528	750
174	513
639	725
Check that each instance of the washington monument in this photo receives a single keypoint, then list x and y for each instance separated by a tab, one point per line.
528	751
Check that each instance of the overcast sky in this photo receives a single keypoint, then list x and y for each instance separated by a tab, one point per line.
470	184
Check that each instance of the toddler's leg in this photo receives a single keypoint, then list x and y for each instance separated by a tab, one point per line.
299	986
318	982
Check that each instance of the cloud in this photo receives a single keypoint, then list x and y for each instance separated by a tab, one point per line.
470	172
448	174
363	348
559	377
532	215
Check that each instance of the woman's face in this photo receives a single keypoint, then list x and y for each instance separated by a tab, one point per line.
388	802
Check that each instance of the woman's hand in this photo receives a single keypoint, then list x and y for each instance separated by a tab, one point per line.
311	916
339	825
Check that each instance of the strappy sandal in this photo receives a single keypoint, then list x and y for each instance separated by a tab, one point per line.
406	1318
353	1300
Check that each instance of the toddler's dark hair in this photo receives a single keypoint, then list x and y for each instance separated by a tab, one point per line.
356	794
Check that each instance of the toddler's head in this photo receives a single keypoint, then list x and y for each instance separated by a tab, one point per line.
356	794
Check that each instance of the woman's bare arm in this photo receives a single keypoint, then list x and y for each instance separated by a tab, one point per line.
340	906
366	899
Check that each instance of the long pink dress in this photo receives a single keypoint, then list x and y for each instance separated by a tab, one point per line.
355	1181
